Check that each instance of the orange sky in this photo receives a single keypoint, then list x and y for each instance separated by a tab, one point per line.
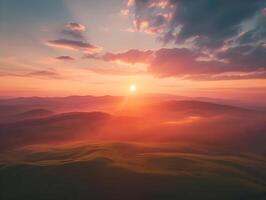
99	48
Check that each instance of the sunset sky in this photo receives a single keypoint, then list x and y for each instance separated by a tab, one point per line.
86	47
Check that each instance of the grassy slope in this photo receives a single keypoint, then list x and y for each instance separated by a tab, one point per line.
201	153
130	171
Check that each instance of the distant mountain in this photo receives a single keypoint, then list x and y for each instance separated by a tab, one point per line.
55	101
64	104
168	121
197	106
105	103
17	113
91	101
56	128
183	108
34	113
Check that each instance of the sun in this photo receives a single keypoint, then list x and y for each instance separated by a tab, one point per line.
132	88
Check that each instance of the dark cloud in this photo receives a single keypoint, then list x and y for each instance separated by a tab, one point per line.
73	44
66	58
249	56
207	23
211	22
256	35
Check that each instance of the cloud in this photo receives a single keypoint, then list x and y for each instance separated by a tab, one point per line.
188	64
75	40
132	56
116	70
259	74
65	58
44	74
254	36
73	45
245	55
50	74
130	62
75	27
74	30
215	40
206	23
124	12
180	62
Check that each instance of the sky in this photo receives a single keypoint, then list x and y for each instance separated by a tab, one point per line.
213	48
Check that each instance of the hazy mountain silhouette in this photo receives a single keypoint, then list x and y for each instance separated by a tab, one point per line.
35	113
57	128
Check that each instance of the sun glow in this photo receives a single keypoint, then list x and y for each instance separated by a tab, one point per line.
132	88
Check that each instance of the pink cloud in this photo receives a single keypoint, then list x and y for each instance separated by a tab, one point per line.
44	74
124	12
185	63
75	27
132	56
74	30
73	45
